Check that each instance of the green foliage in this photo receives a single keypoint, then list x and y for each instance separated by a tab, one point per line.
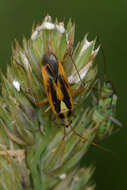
33	155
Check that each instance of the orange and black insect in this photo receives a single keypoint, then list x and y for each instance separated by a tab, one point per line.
57	87
58	91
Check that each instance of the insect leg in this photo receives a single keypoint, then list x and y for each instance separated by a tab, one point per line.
80	90
48	108
45	101
85	139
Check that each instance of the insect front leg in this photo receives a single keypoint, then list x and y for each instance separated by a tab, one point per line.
41	102
82	89
78	91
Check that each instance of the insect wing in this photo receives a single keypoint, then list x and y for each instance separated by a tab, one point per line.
57	90
50	91
65	88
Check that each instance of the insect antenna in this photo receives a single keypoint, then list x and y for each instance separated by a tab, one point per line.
114	120
83	84
105	64
69	52
104	58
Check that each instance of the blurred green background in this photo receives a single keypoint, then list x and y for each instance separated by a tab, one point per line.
109	19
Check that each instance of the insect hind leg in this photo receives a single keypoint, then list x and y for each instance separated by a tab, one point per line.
85	139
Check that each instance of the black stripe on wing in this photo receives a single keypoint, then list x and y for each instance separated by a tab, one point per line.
55	100
66	98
